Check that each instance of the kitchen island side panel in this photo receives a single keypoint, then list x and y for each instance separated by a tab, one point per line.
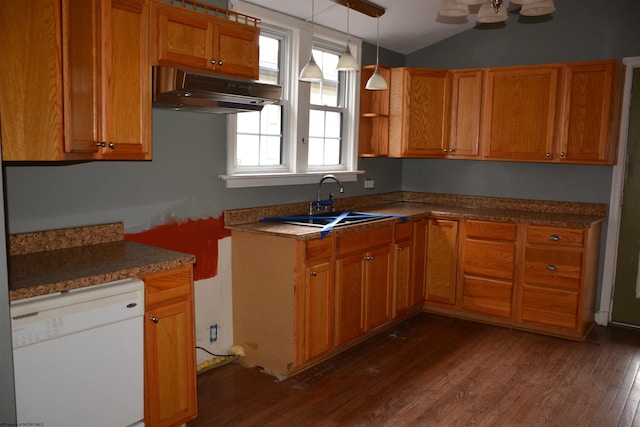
264	300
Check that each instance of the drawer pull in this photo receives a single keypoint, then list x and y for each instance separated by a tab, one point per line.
552	267
555	237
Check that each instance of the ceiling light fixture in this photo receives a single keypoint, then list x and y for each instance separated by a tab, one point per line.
376	81
493	11
311	72
347	62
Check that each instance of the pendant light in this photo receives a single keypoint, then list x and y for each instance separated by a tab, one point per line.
311	72
347	62
376	81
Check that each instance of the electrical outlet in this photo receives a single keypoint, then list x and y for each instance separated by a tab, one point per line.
369	183
213	333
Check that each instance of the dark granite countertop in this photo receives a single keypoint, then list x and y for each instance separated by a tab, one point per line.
420	205
71	258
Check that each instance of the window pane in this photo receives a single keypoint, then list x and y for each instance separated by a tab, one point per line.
271	122
326	92
248	150
331	151
249	122
332	125
269	60
270	151
316	152
316	123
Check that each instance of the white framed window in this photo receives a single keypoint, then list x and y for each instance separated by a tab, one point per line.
312	131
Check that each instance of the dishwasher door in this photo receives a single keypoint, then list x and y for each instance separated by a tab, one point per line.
78	357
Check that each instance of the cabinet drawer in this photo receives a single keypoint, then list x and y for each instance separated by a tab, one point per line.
557	236
552	307
487	296
319	249
364	240
493	259
490	230
403	231
554	267
167	285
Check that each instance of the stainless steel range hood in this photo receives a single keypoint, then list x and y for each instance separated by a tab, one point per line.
178	89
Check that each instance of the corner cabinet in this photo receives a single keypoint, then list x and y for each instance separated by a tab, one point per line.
79	79
205	38
419	112
170	360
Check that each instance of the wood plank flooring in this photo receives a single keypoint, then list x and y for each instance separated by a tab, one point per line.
438	371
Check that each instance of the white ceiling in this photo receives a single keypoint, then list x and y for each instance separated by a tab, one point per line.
406	26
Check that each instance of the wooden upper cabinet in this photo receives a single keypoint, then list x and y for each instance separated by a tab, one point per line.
126	80
373	138
466	108
204	41
588	127
520	112
80	80
419	112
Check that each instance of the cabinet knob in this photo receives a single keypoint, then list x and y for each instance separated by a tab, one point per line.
101	144
444	150
555	237
154	319
112	145
369	257
562	154
453	150
213	61
400	248
552	267
313	273
548	155
220	62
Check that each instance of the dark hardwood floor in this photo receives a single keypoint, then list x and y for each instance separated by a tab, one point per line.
439	371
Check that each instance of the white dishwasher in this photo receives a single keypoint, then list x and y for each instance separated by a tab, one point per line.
78	356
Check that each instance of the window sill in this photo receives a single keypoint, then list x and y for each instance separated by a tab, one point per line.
268	180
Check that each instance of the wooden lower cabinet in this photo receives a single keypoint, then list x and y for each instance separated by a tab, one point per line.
537	278
442	262
169	335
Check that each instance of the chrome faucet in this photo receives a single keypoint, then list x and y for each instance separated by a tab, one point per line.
328	202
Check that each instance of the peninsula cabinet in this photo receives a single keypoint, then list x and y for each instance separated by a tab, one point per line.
373	139
205	39
170	360
520	109
363	282
419	112
78	80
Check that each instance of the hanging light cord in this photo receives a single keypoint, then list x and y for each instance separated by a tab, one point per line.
378	41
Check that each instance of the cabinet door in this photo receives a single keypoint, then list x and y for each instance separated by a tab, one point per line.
126	81
236	49
183	38
349	298
170	364
318	309
442	261
419	112
377	269
466	105
519	113
590	96
419	261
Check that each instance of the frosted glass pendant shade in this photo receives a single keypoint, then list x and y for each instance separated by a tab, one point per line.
311	72
347	62
453	8
376	81
486	14
538	9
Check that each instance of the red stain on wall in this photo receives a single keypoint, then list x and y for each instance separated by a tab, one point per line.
196	237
